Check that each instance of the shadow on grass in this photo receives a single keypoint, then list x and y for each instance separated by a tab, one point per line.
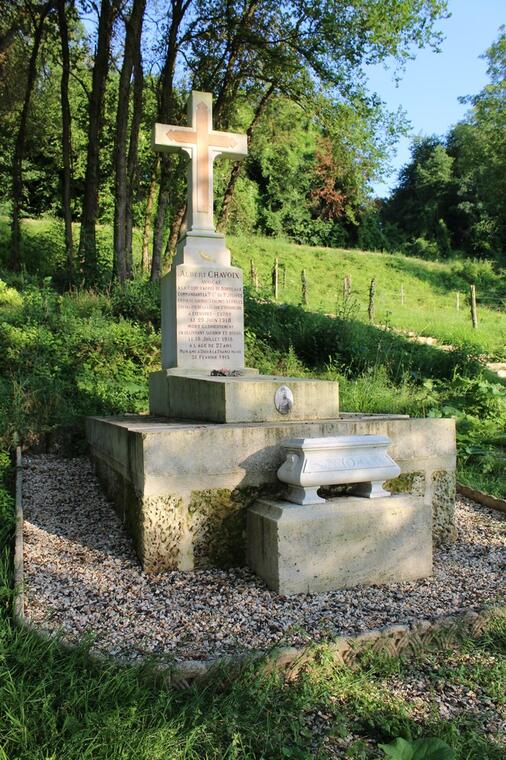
463	274
352	346
62	703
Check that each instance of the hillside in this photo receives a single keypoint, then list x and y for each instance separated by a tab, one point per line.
411	294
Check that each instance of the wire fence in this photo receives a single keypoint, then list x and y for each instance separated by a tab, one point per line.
377	300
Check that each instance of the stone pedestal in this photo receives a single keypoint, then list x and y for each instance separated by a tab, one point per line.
343	542
248	398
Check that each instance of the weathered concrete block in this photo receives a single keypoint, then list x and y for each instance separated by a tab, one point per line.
341	543
182	488
248	398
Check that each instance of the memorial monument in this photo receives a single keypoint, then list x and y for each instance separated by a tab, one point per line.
184	478
202	296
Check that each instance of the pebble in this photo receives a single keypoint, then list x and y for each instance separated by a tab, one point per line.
82	577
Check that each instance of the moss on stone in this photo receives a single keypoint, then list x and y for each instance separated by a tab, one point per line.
409	482
443	507
218	524
162	524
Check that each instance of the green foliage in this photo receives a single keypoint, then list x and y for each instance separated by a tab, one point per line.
421	749
451	195
479	406
62	357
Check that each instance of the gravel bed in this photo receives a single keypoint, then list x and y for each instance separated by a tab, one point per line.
82	576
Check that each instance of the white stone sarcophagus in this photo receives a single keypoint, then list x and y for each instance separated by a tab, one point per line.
314	462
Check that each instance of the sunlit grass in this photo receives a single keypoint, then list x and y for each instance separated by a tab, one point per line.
411	294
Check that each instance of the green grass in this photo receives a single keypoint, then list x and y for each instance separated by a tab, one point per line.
430	289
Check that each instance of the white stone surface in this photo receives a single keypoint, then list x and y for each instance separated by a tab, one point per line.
344	542
247	398
203	144
314	462
203	318
202	296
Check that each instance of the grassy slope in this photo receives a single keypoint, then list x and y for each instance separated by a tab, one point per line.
430	289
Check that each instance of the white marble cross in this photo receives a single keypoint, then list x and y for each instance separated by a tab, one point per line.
203	144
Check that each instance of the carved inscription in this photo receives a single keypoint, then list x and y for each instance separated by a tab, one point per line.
360	461
210	317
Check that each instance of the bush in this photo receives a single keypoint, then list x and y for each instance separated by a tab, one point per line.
63	357
357	347
423	248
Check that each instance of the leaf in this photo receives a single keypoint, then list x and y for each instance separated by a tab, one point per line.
422	749
432	749
399	749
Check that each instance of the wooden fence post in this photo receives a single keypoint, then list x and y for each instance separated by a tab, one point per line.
474	312
303	281
275	280
458	300
347	286
372	292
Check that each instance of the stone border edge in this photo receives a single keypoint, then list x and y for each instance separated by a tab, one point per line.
392	640
481	497
19	579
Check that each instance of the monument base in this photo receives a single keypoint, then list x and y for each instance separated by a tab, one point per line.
183	488
249	397
344	542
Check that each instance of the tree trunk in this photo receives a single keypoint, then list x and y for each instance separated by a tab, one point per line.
87	240
133	156
165	114
148	214
122	191
236	168
175	230
19	147
66	140
161	210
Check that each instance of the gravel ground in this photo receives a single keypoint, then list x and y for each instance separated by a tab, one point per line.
82	576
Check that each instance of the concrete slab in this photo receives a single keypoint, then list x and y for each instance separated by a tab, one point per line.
248	398
345	542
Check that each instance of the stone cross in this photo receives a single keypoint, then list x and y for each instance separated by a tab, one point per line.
203	144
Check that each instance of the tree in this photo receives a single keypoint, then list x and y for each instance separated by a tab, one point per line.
87	241
125	161
452	194
167	111
242	48
40	14
66	136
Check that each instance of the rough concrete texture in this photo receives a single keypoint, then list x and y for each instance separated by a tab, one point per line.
214	472
248	398
347	541
443	500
